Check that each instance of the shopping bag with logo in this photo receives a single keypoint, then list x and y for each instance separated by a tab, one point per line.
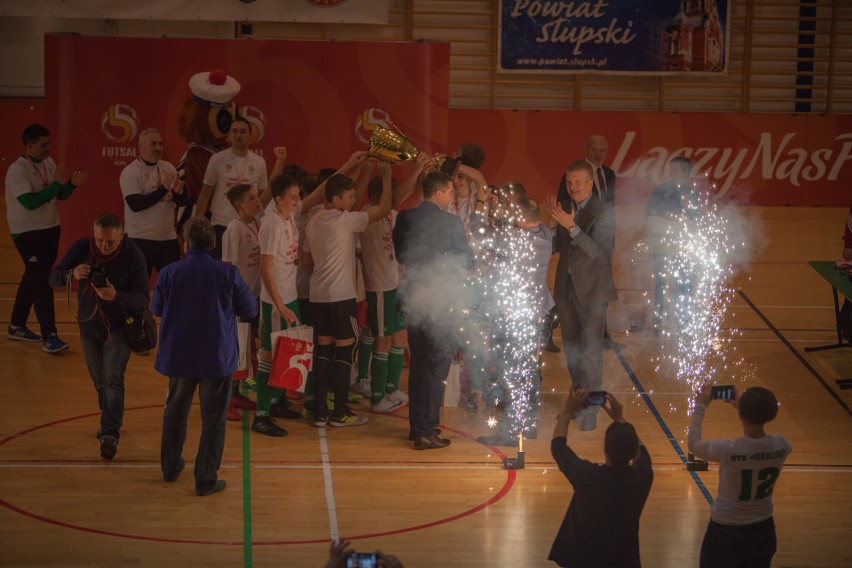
244	360
292	358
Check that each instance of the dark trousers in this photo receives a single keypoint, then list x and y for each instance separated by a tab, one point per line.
158	253
214	393
582	339
742	546
430	363
106	353
38	250
220	231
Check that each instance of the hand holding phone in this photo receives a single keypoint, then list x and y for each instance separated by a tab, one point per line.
722	392
362	560
596	398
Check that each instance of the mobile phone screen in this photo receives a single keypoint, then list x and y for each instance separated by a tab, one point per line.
362	560
596	398
722	392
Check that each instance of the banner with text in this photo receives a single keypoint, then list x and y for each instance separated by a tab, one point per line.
321	100
754	159
632	36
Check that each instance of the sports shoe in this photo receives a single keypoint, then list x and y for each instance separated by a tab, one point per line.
399	395
266	426
251	384
363	387
108	447
240	401
281	411
387	405
22	334
233	414
347	419
52	344
319	421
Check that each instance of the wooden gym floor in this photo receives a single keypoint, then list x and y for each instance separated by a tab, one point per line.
63	506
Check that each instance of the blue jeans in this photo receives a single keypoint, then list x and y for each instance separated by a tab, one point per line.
214	394
106	353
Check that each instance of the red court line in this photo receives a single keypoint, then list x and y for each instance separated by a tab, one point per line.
511	475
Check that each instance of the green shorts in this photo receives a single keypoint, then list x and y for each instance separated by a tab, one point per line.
271	320
382	308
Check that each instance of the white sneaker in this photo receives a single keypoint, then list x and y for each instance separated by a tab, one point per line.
387	405
364	388
399	395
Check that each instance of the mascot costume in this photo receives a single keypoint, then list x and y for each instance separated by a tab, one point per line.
203	123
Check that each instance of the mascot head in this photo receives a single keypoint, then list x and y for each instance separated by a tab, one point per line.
206	116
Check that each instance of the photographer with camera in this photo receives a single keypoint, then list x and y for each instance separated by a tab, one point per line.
741	531
601	527
112	278
340	556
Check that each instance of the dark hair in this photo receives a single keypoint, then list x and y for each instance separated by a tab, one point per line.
374	190
581	165
682	162
294	171
621	443
513	188
280	184
108	221
33	132
433	182
757	405
199	234
236	193
239	118
471	155
324	174
337	185
530	209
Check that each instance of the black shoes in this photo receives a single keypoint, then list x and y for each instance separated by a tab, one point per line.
431	443
411	434
109	446
280	410
266	426
172	477
216	488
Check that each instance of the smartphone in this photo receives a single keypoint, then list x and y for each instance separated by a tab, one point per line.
722	392
596	398
362	560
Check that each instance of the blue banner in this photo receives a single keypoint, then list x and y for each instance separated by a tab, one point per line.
634	36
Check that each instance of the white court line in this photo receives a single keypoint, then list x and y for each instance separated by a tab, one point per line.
329	490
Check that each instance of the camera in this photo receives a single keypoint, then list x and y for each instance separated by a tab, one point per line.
722	392
596	398
362	560
97	276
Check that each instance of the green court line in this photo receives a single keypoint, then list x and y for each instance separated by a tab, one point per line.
247	536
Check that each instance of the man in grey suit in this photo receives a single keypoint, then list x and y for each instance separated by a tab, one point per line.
585	238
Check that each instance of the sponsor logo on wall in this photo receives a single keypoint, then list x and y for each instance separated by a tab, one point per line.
367	122
119	125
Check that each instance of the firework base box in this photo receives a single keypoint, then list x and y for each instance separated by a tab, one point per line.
693	464
515	463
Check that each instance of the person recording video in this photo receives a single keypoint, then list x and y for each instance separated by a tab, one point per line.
341	556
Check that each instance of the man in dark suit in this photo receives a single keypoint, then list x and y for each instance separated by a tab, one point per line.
431	244
585	237
602	176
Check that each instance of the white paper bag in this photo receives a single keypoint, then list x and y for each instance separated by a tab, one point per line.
452	390
244	358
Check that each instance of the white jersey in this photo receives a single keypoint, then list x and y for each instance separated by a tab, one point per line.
279	238
303	271
331	236
381	270
241	247
22	177
156	223
462	207
748	470
224	171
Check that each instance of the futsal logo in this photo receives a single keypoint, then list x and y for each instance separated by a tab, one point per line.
119	123
257	120
368	121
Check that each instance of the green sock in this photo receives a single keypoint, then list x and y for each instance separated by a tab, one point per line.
395	361
378	375
365	348
265	394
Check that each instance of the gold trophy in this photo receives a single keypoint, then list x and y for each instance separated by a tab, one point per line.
395	148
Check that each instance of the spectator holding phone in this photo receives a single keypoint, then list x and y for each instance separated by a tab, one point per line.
741	531
341	556
601	527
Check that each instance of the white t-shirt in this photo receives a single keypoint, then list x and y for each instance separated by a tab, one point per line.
303	271
157	222
279	238
748	470
331	241
462	207
22	177
224	171
241	247
381	270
